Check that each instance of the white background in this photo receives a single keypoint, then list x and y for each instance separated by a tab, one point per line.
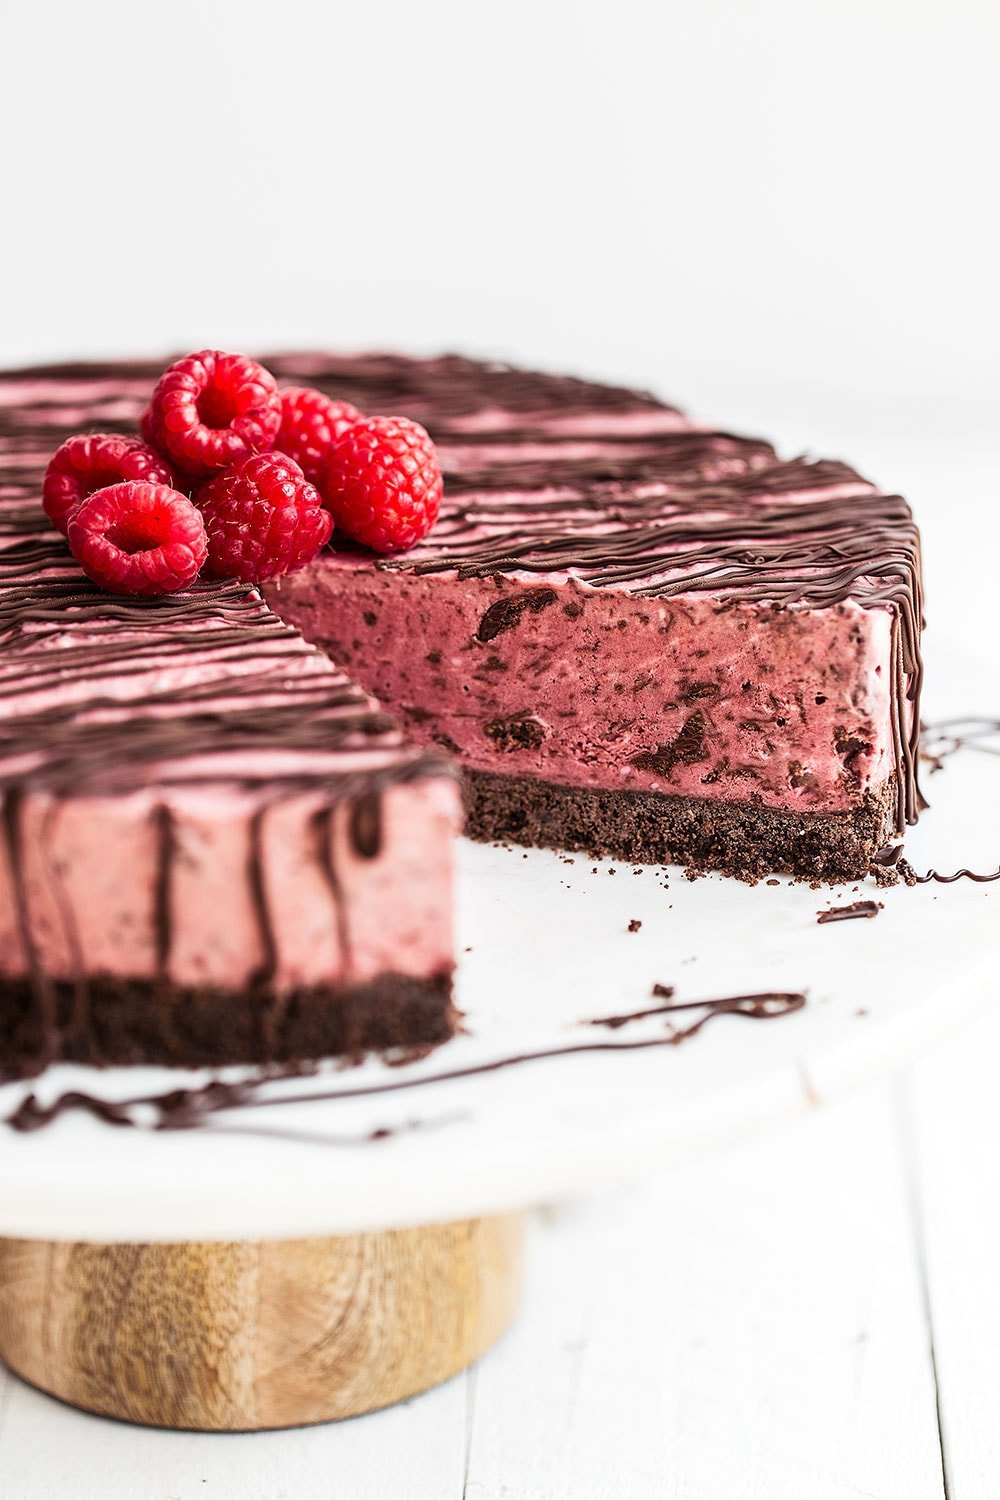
781	213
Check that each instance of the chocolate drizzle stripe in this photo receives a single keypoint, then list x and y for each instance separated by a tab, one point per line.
264	978
183	1109
11	812
80	1015
366	826
163	900
324	833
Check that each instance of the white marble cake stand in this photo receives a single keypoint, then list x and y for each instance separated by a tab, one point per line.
319	1297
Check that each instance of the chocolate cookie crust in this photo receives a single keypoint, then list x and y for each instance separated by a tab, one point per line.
121	1022
735	838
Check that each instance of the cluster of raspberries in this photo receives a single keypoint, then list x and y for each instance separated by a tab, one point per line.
237	478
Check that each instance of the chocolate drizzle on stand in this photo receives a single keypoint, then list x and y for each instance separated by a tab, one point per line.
944	738
938	743
849	913
184	1109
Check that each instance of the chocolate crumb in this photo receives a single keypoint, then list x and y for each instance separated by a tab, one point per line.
520	732
634	925
663	991
505	614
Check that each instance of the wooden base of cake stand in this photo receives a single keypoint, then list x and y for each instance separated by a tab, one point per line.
240	1337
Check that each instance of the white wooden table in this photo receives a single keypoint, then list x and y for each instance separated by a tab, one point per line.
813	1315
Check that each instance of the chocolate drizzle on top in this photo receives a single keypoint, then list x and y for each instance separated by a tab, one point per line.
184	1109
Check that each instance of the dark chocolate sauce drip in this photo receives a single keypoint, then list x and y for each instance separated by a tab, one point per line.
366	826
44	996
183	1109
256	879
163	897
323	832
850	913
80	1013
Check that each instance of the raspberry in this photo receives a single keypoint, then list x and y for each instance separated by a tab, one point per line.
211	410
309	423
262	518
382	482
90	462
138	538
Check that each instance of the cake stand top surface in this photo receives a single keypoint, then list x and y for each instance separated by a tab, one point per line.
546	948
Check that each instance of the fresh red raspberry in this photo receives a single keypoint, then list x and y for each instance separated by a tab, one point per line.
262	518
382	482
211	410
138	538
90	462
309	423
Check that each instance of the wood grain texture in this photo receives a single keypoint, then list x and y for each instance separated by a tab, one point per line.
953	1108
240	1337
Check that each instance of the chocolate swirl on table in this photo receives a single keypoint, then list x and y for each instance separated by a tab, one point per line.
910	876
184	1109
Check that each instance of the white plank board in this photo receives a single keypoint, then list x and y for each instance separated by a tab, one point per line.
955	1106
416	1451
750	1328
